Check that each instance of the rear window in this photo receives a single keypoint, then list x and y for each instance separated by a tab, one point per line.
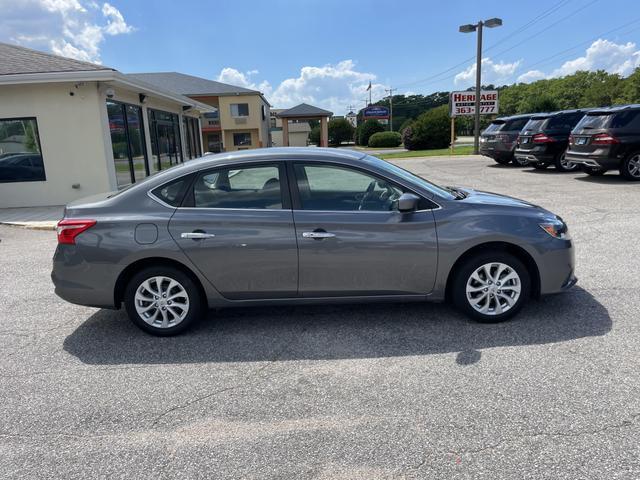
593	122
535	124
564	122
515	125
494	127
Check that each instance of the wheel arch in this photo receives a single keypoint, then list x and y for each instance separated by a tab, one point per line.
518	252
133	268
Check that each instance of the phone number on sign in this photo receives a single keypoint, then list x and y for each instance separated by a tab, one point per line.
470	110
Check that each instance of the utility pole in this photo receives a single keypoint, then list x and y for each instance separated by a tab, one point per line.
477	27
390	90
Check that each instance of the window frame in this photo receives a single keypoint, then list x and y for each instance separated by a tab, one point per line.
44	170
231	105
295	192
188	201
250	144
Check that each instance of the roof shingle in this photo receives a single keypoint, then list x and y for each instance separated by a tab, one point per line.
304	110
15	60
188	85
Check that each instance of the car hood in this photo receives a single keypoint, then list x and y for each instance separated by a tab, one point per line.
488	198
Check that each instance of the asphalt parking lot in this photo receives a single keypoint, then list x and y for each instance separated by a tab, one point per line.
346	392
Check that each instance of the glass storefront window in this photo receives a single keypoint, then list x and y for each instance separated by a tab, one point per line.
166	148
192	137
127	142
20	154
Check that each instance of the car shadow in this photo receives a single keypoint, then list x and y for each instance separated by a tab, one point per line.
606	179
336	332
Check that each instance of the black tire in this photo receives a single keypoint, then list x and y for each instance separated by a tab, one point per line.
502	160
540	166
463	273
593	171
520	162
194	298
630	167
563	166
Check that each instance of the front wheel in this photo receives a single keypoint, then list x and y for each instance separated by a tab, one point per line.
540	166
520	161
502	160
593	171
491	287
563	165
162	300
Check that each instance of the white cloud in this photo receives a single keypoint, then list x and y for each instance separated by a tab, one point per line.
332	86
492	72
73	28
531	76
620	58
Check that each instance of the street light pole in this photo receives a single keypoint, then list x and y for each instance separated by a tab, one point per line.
476	127
491	23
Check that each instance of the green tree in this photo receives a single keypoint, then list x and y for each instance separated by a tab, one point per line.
366	129
542	103
340	130
314	135
432	129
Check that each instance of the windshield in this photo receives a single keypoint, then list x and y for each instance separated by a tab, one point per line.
412	178
592	122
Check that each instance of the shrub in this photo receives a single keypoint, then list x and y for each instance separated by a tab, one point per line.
340	130
430	130
385	139
368	128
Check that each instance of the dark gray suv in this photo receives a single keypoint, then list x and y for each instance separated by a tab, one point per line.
307	225
608	139
498	141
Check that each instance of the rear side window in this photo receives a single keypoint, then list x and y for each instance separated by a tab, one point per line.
256	187
515	125
172	193
625	119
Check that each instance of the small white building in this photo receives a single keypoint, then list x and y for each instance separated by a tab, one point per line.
70	129
298	131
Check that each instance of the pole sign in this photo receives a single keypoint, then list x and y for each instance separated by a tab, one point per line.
375	111
464	103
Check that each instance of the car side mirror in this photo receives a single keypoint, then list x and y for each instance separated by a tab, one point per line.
408	202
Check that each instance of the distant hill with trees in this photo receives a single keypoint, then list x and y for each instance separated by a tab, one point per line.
580	90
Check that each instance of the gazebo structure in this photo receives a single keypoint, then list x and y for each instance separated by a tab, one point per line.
305	112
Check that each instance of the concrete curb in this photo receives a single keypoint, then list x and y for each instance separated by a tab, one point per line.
32	225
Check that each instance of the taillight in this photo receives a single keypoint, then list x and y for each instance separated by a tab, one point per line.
69	229
604	139
542	138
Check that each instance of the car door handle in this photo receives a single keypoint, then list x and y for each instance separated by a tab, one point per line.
197	235
318	235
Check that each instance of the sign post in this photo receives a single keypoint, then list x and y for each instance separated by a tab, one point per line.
453	133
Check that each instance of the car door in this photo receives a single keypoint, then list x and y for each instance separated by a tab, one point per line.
236	226
353	241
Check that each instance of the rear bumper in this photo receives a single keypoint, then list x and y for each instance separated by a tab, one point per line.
493	152
590	160
534	158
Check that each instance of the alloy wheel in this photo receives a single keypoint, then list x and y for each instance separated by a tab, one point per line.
634	166
161	302
493	288
567	165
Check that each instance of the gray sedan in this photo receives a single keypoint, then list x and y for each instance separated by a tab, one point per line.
311	225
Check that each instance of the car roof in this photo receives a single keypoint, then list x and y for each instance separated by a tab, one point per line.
282	153
614	109
542	115
513	117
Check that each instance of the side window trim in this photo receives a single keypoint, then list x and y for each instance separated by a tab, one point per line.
295	193
188	200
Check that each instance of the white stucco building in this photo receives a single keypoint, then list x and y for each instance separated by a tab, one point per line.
70	129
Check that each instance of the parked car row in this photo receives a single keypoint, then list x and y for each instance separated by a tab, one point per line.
595	140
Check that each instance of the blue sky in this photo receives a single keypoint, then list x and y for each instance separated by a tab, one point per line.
326	51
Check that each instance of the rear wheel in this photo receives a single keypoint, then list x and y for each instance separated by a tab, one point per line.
491	287
630	168
163	300
563	165
540	166
594	171
520	162
502	160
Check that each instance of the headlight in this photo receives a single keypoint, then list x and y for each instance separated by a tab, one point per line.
556	228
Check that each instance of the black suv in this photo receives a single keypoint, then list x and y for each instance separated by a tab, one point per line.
607	139
498	141
545	137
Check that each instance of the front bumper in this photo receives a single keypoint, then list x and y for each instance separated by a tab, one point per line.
556	266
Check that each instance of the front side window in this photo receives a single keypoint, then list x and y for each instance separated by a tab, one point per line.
242	139
242	188
20	154
239	109
333	188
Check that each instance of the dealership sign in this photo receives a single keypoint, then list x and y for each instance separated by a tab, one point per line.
464	103
375	111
